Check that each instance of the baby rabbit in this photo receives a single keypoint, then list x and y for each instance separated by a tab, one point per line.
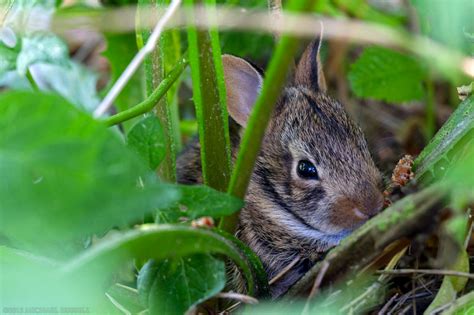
314	180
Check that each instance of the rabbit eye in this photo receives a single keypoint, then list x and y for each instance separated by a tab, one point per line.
307	170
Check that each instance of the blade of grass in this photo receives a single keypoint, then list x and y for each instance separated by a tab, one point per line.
438	154
209	98
261	114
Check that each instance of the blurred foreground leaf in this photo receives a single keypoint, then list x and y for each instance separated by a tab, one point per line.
172	286
384	74
65	176
161	242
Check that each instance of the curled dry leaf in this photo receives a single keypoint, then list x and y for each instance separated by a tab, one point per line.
401	176
206	222
402	173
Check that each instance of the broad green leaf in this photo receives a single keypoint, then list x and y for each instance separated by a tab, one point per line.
35	281
41	48
384	74
63	80
168	242
121	48
172	286
148	139
66	176
200	200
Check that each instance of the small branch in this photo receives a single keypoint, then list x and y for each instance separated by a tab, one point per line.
316	285
319	279
427	272
237	296
137	60
284	271
151	100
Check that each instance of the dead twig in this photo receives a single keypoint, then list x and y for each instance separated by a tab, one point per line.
315	288
284	270
384	309
237	296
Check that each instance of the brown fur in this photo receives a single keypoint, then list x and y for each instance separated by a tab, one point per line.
286	216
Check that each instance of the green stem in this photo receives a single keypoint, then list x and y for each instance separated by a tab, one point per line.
156	66
151	100
210	101
258	121
31	80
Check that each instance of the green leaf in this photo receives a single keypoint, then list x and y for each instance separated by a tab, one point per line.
148	139
451	285
198	201
173	286
387	75
66	176
461	306
25	276
201	200
167	241
42	48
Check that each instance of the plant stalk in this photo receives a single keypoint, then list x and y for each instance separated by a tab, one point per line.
210	101
148	104
260	116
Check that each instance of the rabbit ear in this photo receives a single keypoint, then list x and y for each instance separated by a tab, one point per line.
309	72
243	83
